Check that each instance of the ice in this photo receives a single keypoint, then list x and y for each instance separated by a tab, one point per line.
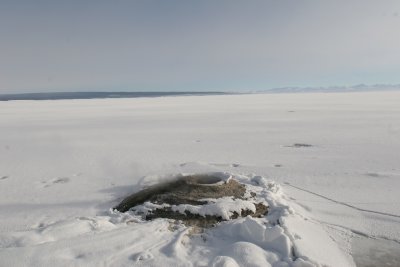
64	164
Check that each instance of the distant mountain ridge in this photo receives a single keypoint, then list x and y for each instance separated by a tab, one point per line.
330	89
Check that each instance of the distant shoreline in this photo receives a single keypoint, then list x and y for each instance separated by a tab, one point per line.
97	95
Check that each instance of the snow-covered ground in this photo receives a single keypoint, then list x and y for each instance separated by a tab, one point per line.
64	164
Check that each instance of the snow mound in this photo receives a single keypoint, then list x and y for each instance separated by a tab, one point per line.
280	239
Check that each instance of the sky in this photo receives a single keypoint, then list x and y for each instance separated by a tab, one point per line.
188	45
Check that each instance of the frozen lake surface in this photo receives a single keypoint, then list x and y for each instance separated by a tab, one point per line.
326	163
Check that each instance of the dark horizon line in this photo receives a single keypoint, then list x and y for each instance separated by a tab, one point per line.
98	94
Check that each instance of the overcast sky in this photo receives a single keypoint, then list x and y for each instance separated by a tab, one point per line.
189	45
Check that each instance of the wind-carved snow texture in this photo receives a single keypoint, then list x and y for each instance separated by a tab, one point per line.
59	180
282	238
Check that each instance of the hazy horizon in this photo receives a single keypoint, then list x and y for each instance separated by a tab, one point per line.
69	94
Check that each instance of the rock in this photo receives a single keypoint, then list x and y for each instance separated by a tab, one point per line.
190	190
